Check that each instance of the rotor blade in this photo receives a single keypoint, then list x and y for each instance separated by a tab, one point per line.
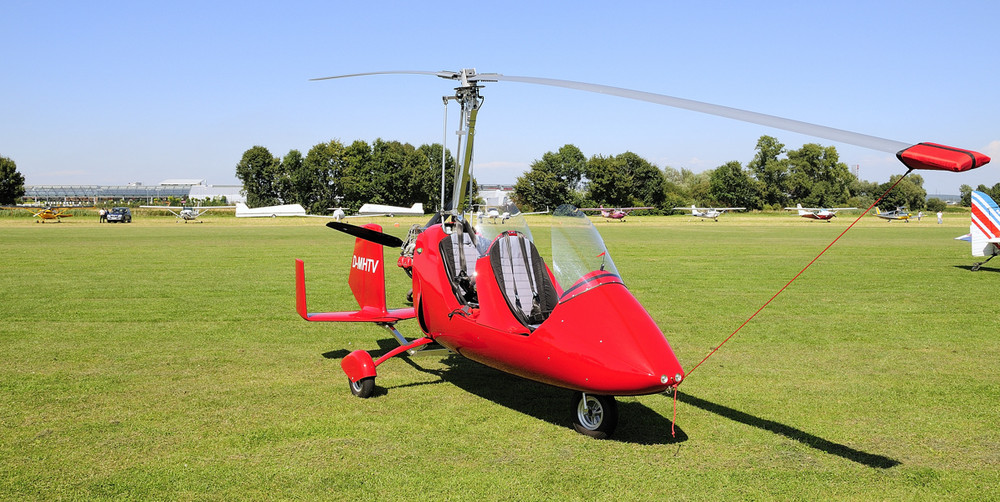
442	74
853	138
366	234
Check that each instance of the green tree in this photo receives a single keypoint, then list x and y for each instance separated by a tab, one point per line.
11	181
625	180
817	178
771	171
966	192
908	193
537	189
553	180
258	170
730	185
935	204
427	176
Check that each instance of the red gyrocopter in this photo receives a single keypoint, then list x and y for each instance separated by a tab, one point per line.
483	291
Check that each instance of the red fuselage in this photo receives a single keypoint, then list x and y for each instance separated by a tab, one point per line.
823	215
597	339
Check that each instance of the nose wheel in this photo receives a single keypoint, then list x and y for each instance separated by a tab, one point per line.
594	416
363	388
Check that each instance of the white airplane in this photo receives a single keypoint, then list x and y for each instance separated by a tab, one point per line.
384	210
710	212
188	213
984	231
243	211
818	213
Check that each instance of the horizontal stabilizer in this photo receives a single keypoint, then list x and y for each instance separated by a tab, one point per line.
366	314
941	158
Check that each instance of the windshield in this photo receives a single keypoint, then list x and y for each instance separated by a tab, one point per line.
580	260
496	220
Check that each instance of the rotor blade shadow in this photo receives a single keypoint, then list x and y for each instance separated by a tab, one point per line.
846	452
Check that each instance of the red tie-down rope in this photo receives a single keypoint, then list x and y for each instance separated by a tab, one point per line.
789	283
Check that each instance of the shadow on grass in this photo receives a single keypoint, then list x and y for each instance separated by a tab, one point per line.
981	269
636	422
824	445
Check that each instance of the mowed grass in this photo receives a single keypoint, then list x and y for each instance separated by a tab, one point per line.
166	361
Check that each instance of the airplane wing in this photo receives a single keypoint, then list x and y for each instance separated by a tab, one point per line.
729	208
536	212
804	208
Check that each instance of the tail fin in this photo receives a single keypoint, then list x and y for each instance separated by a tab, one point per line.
801	211
985	226
367	282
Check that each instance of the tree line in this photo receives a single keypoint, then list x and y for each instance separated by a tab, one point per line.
812	175
11	181
333	174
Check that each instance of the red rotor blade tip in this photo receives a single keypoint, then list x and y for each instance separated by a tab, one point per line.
941	158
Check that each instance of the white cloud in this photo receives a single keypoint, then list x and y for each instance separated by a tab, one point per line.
993	149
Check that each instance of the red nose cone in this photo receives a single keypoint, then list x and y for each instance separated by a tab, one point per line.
603	341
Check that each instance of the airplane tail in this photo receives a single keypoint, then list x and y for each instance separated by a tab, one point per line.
694	210
802	212
985	226
367	282
242	210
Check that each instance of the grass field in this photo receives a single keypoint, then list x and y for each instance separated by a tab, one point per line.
161	360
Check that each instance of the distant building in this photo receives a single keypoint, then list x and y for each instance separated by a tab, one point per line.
184	189
496	195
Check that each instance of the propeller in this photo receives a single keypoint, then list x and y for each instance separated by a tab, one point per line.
367	234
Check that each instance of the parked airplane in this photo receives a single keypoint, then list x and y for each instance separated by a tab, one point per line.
818	213
618	213
710	212
188	213
384	210
47	213
984	231
899	213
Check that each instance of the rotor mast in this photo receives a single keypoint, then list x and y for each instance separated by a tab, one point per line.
467	96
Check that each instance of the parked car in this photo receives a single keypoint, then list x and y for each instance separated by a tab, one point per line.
120	214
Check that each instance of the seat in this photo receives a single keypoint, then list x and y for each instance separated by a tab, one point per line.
523	279
459	254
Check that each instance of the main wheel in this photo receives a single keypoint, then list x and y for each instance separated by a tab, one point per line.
595	416
363	388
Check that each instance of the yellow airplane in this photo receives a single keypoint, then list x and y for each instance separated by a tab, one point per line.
48	213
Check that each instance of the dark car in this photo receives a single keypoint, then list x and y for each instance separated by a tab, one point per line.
120	214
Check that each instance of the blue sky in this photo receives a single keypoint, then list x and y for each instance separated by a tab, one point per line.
117	92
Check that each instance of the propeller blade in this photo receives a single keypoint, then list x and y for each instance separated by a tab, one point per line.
366	234
849	137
